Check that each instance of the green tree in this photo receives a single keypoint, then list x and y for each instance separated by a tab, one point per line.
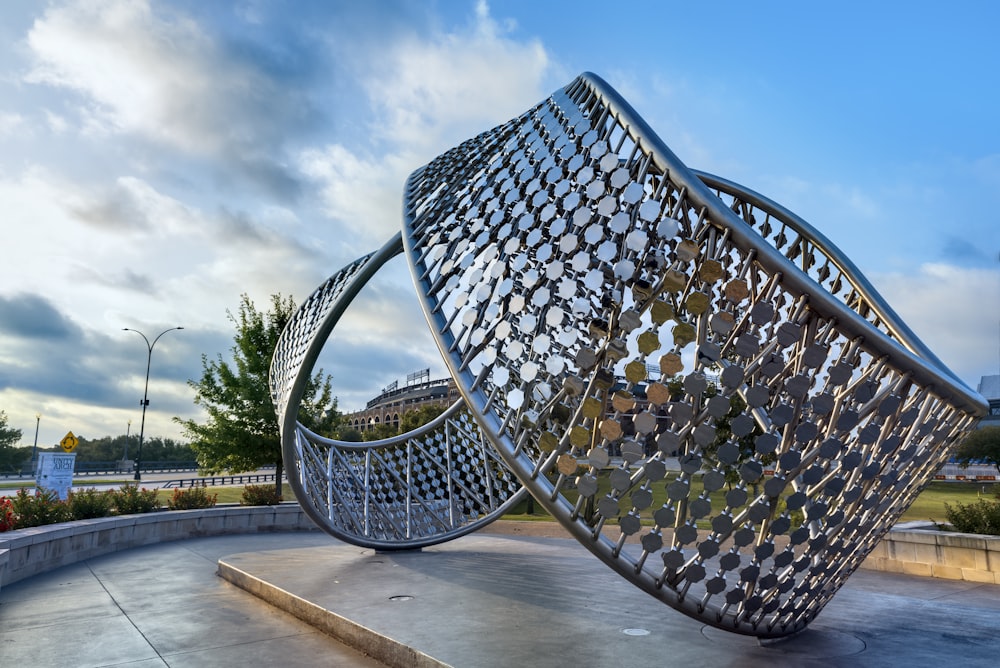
349	434
8	435
111	448
981	445
377	433
10	457
241	433
418	417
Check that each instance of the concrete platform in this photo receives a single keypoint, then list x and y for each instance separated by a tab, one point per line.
483	600
489	600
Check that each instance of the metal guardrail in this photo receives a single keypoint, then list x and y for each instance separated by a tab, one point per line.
127	466
112	467
115	467
221	481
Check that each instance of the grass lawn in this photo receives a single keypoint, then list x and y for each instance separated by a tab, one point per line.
226	494
928	506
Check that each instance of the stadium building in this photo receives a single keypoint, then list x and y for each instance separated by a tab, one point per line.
390	405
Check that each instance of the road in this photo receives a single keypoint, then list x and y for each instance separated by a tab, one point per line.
150	480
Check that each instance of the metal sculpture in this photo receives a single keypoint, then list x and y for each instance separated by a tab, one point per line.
670	354
432	484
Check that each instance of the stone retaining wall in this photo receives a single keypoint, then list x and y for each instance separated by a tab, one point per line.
915	548
27	552
918	548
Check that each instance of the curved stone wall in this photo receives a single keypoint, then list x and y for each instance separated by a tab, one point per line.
28	552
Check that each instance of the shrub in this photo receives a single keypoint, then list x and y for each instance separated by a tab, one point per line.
87	503
191	498
40	507
982	517
797	517
129	500
260	495
7	522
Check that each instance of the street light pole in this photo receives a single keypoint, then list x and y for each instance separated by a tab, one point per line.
145	394
128	430
34	449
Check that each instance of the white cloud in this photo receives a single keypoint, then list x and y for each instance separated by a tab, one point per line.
129	62
158	75
133	204
953	311
56	122
380	338
431	93
428	94
10	123
364	194
93	251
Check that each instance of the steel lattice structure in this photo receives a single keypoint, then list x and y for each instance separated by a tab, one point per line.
426	486
602	306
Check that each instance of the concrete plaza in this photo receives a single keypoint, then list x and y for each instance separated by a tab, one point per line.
484	600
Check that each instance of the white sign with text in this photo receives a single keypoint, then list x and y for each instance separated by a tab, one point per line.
55	472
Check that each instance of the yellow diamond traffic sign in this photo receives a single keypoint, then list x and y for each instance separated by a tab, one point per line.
69	442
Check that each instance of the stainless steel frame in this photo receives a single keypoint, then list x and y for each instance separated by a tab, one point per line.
420	488
561	255
696	383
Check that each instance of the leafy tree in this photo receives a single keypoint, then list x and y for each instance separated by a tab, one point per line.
10	457
981	445
241	433
111	448
158	449
8	435
377	433
411	419
349	434
12	460
420	416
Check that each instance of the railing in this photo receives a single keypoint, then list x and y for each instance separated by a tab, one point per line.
221	480
113	467
120	466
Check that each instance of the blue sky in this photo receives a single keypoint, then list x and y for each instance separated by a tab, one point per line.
159	159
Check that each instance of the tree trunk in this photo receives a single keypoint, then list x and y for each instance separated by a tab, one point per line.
277	476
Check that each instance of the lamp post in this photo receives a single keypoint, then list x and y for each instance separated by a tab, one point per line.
145	394
128	430
34	448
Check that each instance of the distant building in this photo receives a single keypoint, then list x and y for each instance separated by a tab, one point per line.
390	405
989	387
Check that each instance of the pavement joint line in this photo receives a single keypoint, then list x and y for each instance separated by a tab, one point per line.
124	614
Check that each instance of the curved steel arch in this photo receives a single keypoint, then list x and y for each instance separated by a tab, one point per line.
659	351
560	254
814	254
429	485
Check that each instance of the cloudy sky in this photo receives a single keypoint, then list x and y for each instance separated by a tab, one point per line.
159	159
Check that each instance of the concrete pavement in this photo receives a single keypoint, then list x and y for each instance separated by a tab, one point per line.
483	600
161	605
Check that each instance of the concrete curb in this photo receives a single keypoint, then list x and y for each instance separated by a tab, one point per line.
911	548
380	647
28	552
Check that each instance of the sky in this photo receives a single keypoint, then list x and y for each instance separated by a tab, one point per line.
160	159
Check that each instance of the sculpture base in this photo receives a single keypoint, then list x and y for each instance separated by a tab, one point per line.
492	600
